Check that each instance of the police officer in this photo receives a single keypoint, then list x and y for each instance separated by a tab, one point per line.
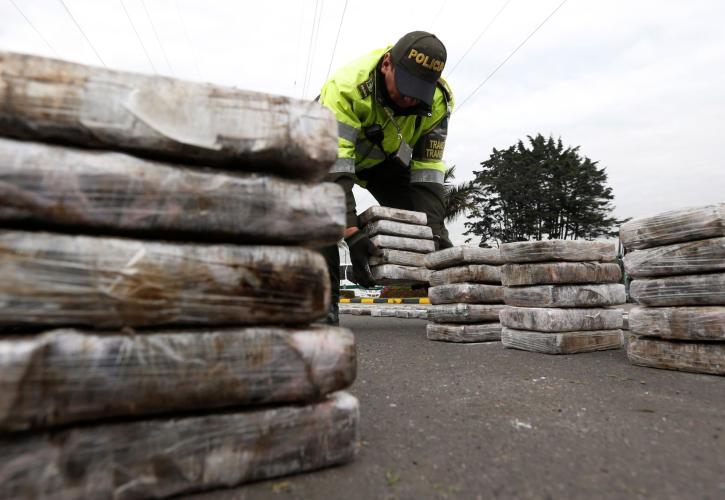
392	108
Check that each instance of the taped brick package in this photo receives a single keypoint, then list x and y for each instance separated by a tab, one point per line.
159	286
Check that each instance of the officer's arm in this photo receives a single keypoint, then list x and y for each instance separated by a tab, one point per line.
426	179
343	171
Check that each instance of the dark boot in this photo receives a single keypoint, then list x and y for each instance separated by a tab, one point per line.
332	257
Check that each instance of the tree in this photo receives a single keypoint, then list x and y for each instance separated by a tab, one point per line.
457	197
540	191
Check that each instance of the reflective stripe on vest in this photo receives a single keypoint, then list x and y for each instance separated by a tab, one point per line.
347	132
343	166
427	175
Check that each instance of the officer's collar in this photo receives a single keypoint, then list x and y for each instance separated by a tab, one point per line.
383	97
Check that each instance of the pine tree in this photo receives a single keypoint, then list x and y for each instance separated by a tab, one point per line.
540	191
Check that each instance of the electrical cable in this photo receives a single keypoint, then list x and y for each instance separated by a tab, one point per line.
443	4
478	37
148	56
309	49
194	56
334	48
509	56
82	32
36	29
158	39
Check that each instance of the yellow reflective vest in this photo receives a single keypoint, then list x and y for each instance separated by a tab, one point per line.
353	94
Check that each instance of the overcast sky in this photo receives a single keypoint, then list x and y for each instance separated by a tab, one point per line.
639	85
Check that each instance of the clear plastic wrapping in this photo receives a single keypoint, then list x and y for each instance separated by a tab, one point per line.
392	273
467	293
542	273
474	273
402	243
462	255
679	323
169	456
696	357
561	342
687	290
49	99
552	320
565	295
692	257
399	257
464	313
686	224
398	229
52	186
377	212
60	280
558	250
485	332
65	376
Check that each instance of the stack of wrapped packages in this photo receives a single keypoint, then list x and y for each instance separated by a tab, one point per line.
678	270
465	294
559	296
155	335
403	240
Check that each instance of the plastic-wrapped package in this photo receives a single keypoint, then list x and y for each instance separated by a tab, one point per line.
679	323
401	243
560	272
484	332
387	274
398	229
692	257
561	342
59	101
565	295
65	376
686	290
467	293
169	456
60	280
687	224
464	313
549	319
462	255
400	257
558	250
697	357
52	186
406	312
377	212
474	273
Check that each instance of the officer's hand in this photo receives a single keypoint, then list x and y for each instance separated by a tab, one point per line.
361	249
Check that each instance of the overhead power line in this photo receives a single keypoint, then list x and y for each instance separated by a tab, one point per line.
158	39
509	56
334	47
83	33
37	31
479	37
443	4
194	56
148	56
313	43
309	48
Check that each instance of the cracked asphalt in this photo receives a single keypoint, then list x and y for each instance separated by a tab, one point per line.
474	421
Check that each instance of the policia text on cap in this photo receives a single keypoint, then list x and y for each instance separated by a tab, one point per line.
392	108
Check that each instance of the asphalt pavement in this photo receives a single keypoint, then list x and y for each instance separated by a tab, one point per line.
470	421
